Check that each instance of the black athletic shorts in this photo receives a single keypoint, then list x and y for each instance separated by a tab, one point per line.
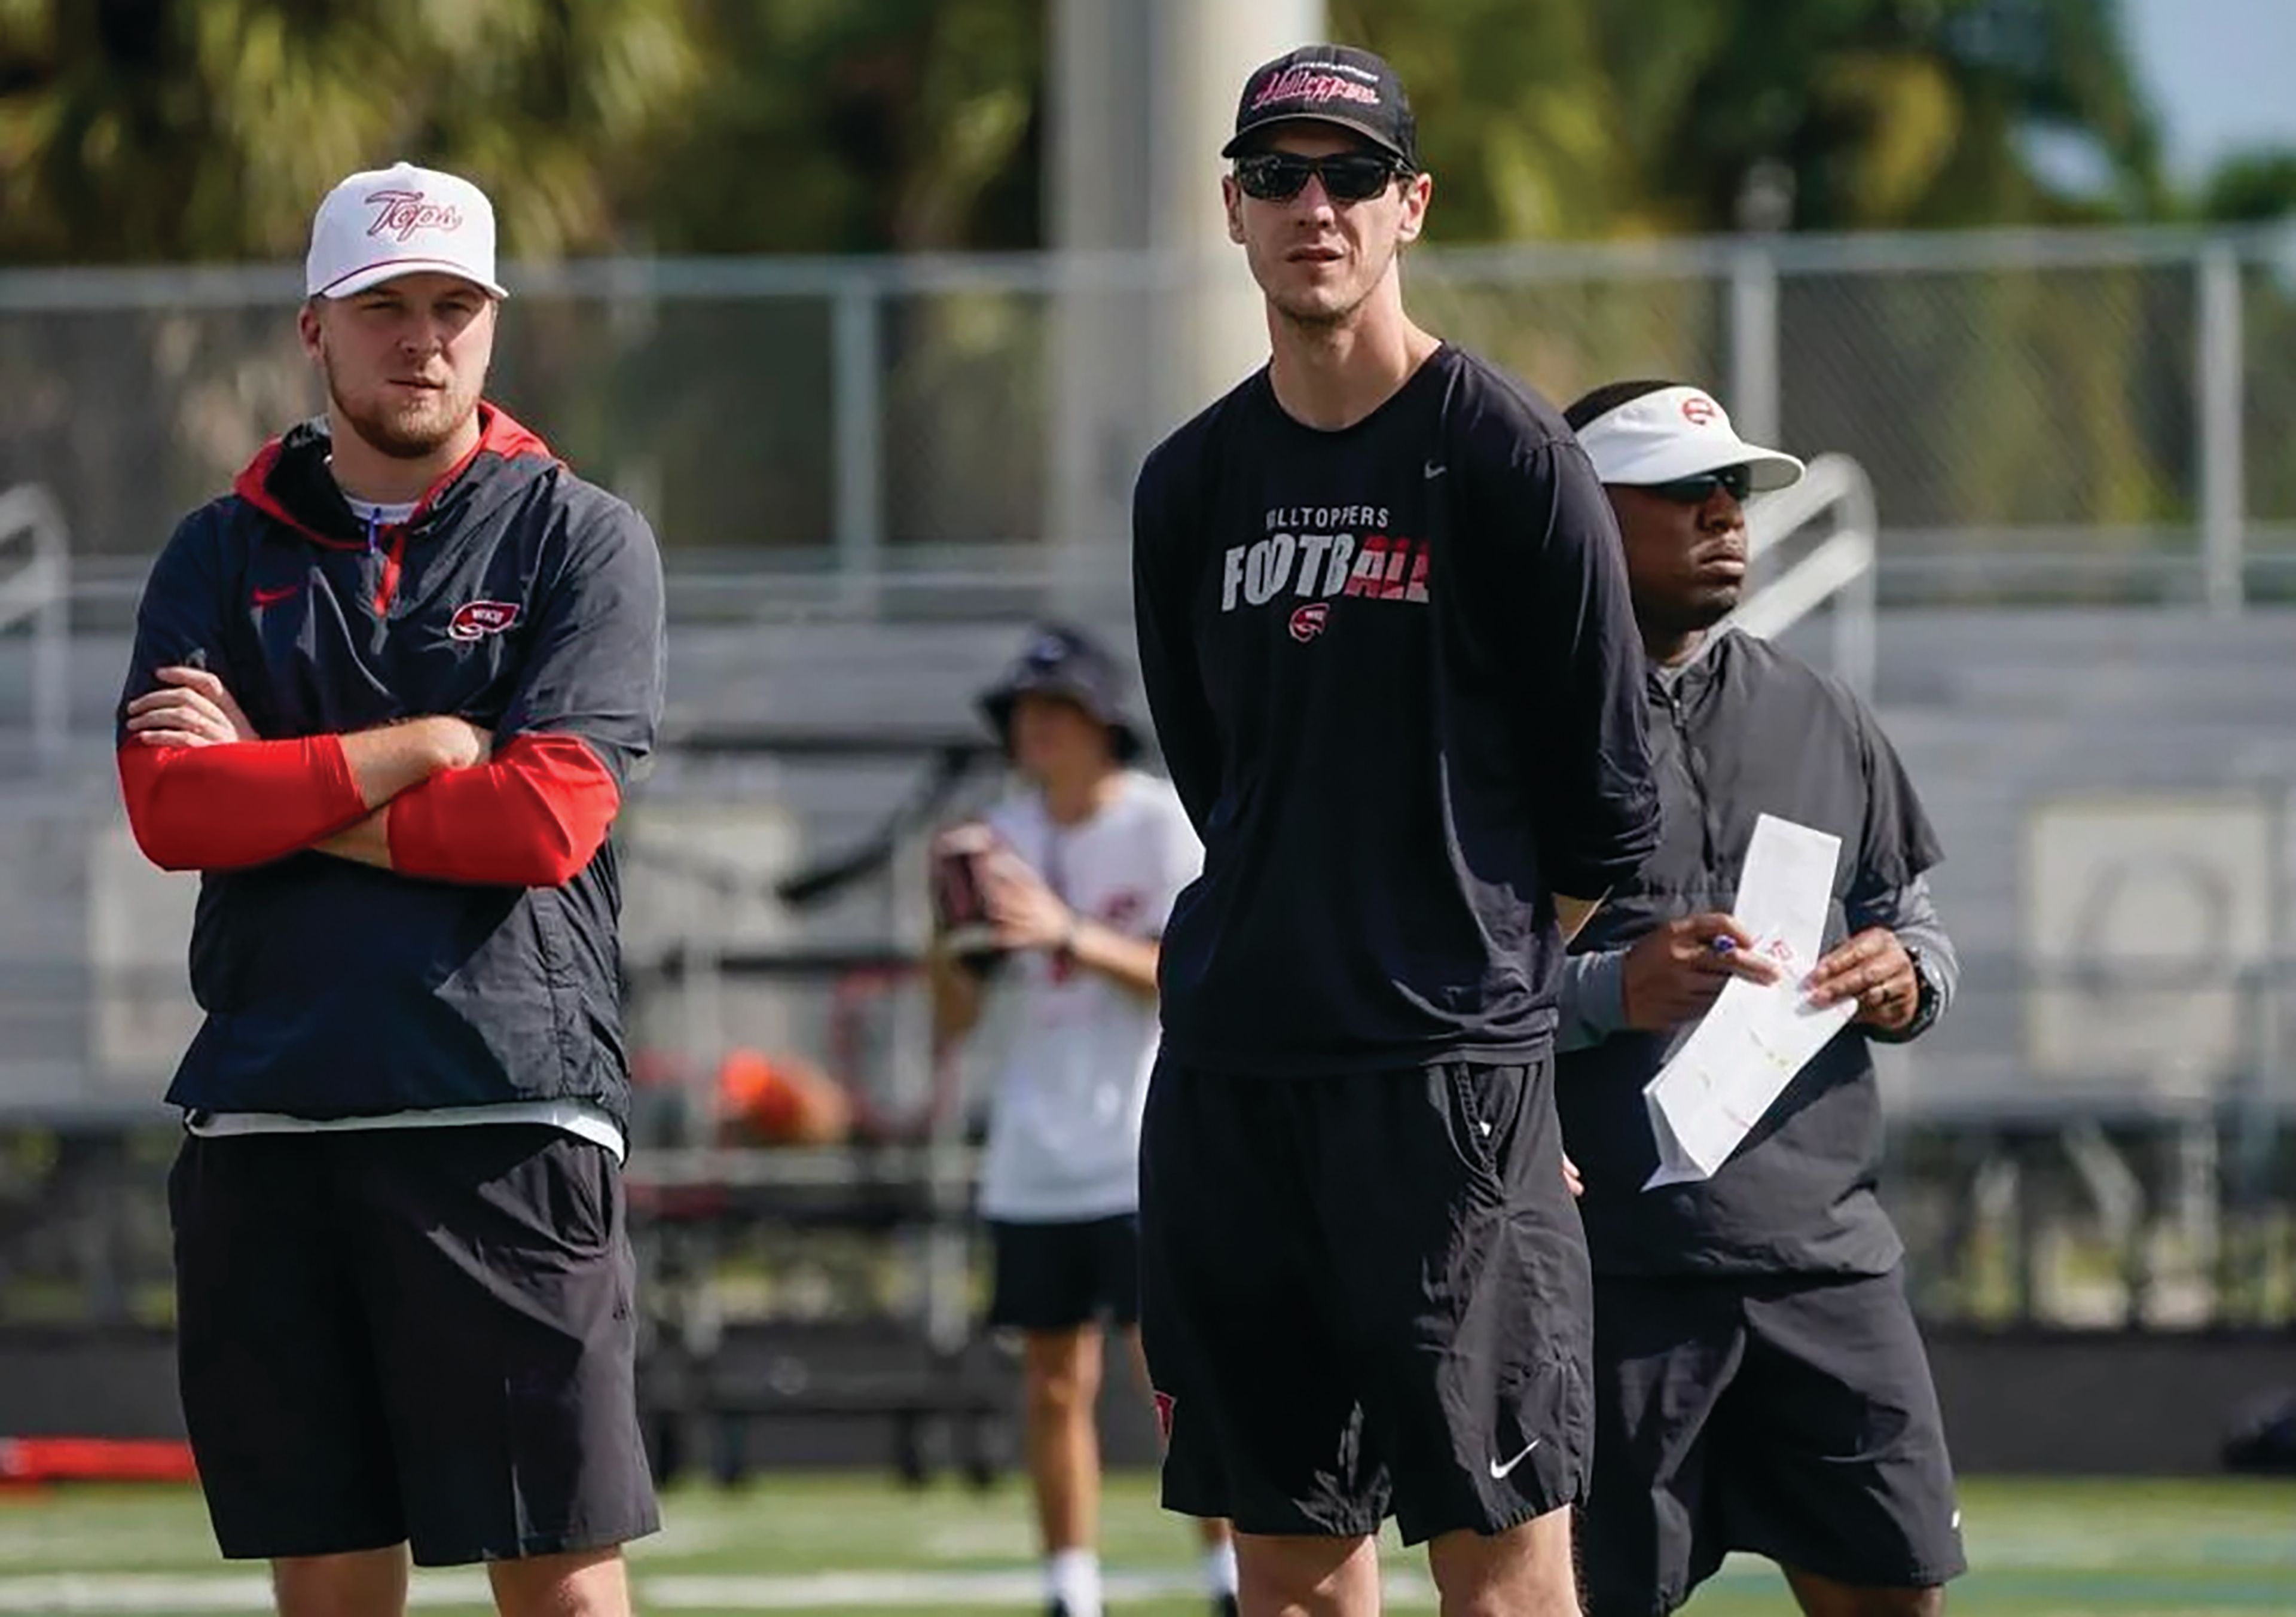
1793	1417
1364	1294
419	1334
1055	1277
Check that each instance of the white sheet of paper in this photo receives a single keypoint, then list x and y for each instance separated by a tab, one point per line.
1755	1036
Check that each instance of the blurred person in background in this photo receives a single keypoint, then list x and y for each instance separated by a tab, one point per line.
1386	639
1074	878
1760	1381
385	698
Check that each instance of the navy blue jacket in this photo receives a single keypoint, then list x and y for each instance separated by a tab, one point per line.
483	967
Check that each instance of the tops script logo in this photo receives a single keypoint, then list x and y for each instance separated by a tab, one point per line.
402	213
1306	84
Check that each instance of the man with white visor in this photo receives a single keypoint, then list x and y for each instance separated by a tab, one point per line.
1759	1384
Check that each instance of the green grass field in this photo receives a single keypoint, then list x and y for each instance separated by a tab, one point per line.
842	1544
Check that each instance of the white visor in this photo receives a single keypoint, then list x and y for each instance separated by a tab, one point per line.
1677	432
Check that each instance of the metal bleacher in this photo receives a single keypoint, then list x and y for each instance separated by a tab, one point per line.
1997	712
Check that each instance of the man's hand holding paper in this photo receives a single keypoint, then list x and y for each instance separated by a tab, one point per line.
1757	1034
1874	973
1673	974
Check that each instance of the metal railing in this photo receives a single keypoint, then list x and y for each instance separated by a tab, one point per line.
1840	569
38	592
2061	414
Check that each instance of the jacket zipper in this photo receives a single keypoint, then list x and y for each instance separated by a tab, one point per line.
1689	766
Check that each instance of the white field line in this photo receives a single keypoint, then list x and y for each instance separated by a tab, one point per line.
241	1591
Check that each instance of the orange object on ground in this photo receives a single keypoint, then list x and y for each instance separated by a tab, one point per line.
96	1459
780	1101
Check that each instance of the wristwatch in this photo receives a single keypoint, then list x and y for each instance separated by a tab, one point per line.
1926	1000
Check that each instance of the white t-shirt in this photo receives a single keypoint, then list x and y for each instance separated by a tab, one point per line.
374	513
1064	1126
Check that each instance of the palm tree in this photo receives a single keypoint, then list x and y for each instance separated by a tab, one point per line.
142	130
136	129
1579	118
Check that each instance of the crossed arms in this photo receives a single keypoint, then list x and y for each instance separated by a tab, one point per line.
428	797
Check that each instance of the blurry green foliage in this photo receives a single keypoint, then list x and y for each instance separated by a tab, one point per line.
172	129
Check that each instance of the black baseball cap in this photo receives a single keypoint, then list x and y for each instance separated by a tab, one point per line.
1067	663
1329	84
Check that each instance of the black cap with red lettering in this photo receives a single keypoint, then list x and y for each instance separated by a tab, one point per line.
1329	84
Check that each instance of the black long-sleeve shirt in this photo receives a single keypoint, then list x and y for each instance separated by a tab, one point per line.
1396	678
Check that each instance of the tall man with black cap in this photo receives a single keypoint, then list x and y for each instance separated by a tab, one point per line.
1078	876
1385	637
1760	1383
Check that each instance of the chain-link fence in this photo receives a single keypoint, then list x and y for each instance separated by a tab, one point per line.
2086	415
2095	418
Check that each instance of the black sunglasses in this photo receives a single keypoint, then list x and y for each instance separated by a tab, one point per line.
1737	481
1348	177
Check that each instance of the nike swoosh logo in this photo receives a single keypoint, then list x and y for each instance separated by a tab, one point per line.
1499	1471
1434	470
271	597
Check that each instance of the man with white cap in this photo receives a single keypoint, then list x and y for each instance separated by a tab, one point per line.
1759	1381
385	697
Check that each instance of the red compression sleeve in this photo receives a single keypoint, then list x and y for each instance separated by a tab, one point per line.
245	802
534	816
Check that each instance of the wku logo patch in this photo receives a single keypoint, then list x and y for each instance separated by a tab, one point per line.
476	620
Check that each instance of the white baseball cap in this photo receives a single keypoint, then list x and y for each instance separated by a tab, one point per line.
400	221
1676	432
